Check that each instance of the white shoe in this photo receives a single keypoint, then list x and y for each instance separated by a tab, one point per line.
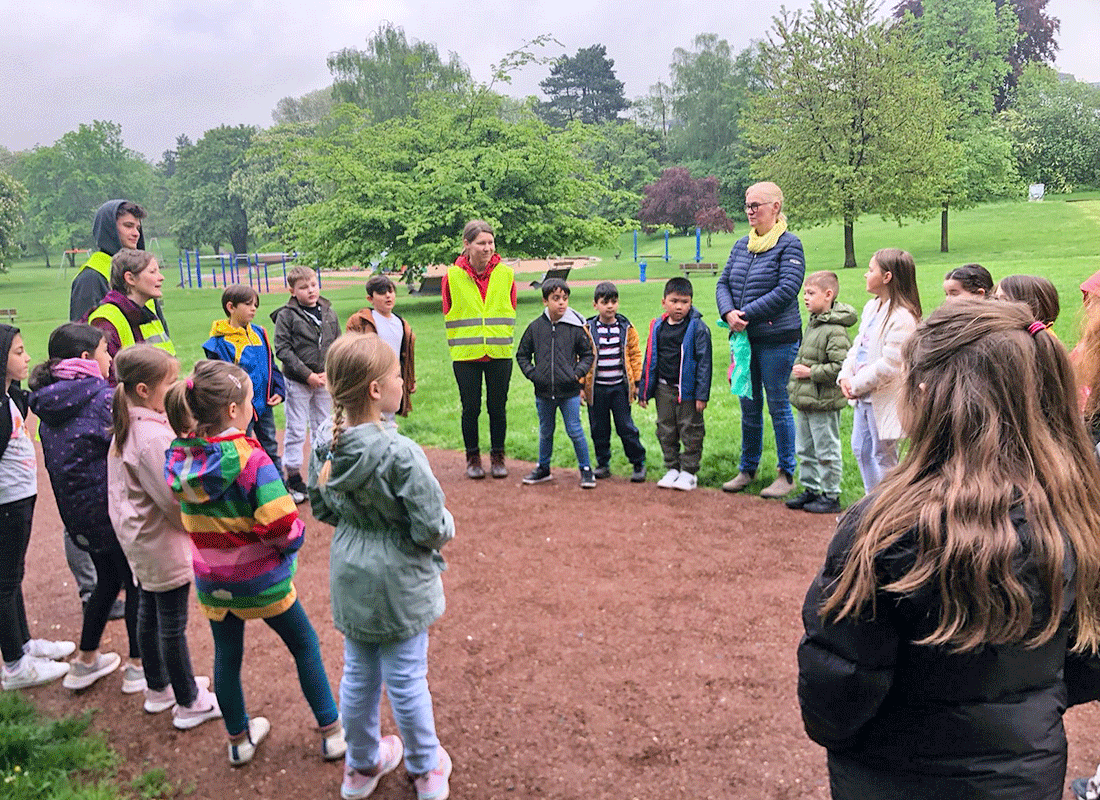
32	671
158	701
685	482
52	651
239	754
669	479
82	675
333	745
205	707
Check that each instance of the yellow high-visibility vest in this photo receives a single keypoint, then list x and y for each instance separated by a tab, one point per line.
477	328
151	332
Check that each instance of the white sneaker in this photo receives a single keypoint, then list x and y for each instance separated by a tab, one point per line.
158	701
52	651
685	482
669	479
32	671
82	675
240	754
204	708
333	745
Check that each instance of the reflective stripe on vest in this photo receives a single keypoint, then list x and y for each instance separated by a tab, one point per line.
151	332
475	327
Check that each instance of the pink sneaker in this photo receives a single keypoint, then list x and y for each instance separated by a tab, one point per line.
204	708
361	784
434	785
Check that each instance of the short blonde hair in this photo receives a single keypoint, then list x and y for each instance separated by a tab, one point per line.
770	191
824	280
298	273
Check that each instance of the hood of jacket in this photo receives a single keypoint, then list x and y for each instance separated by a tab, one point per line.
570	317
839	314
63	399
362	452
105	228
200	469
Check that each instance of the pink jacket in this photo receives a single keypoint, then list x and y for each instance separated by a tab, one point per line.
145	513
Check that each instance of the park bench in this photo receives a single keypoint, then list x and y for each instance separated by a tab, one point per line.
693	267
10	313
429	286
558	269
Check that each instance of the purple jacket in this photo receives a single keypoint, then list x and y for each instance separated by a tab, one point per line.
76	432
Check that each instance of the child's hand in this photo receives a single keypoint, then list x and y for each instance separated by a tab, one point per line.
846	387
700	405
275	400
316	380
800	371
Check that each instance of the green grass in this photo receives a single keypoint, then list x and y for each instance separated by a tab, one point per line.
1055	238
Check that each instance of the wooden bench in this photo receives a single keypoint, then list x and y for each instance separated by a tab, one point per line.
431	285
562	273
693	267
10	313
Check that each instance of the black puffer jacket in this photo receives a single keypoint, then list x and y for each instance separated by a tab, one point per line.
555	356
907	721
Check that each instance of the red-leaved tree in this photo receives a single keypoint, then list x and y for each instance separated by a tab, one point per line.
713	219
675	199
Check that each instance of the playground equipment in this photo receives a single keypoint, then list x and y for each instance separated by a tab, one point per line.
698	247
229	265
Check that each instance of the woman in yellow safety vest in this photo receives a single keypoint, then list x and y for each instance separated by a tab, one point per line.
125	316
479	311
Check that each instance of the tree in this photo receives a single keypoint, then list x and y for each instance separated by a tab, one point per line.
67	181
12	198
205	209
310	107
713	219
850	123
654	110
582	88
675	198
389	76
622	158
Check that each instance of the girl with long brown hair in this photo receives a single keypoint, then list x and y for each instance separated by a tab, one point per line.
956	614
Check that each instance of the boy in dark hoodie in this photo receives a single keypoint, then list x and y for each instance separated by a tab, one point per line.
304	329
814	392
555	354
676	374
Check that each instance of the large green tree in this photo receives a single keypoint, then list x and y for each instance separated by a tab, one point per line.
204	208
12	198
68	180
271	181
850	123
311	107
388	77
622	158
582	88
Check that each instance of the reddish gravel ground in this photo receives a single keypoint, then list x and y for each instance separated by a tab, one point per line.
627	642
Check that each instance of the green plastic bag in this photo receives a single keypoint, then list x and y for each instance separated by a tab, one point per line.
739	375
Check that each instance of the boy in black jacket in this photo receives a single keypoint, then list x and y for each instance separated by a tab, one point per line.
555	354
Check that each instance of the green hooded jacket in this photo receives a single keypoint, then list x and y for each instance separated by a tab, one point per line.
387	506
824	346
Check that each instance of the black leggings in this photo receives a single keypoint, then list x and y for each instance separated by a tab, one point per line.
497	374
113	575
15	535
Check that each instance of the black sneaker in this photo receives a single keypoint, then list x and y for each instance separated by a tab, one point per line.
823	505
537	475
588	479
296	487
638	476
602	472
800	500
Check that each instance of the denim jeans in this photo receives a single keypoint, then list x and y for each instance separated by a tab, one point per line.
571	415
613	402
497	374
112	576
162	638
403	668
820	461
875	456
15	536
298	635
263	428
770	368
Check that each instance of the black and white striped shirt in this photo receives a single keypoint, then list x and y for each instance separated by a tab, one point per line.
609	354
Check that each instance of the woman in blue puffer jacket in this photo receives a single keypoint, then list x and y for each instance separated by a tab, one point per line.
758	293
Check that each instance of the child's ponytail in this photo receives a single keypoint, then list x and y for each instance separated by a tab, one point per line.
141	363
196	406
177	410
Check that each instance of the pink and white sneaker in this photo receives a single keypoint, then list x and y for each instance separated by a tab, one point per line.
361	784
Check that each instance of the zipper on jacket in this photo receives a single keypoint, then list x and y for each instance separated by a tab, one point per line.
553	347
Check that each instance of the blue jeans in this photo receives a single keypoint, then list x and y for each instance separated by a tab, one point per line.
162	639
263	428
300	639
571	415
403	668
770	368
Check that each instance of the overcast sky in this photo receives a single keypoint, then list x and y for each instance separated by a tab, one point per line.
188	66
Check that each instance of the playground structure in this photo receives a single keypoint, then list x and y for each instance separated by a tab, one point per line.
698	247
255	266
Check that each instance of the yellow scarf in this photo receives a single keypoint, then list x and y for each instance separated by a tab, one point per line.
762	244
240	338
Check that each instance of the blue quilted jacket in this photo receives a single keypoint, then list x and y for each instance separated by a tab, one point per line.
764	287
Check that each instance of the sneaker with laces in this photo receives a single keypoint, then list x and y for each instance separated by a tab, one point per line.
240	754
133	679
824	505
537	475
162	700
81	675
204	708
685	482
359	784
638	475
800	500
602	472
51	651
32	671
435	785
588	480
668	479
333	745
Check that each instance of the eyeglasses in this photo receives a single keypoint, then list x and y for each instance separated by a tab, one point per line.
749	207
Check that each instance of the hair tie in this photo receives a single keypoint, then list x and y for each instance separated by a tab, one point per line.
236	381
190	384
1035	327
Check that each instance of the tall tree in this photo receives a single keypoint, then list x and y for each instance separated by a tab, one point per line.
676	199
205	209
12	198
850	124
387	78
622	158
271	181
583	88
311	107
654	110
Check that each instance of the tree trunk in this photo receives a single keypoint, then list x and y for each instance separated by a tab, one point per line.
943	228
239	240
46	253
849	243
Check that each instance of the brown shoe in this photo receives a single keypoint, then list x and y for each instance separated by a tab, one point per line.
473	466
738	482
497	467
780	487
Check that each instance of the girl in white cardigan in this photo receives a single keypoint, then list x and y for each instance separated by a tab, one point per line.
871	370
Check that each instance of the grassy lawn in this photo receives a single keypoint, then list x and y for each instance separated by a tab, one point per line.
1056	238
